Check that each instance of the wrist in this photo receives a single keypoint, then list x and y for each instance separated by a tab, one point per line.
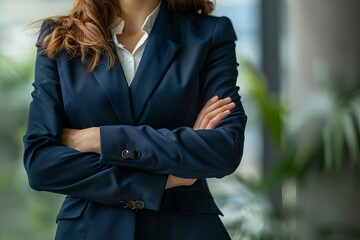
95	139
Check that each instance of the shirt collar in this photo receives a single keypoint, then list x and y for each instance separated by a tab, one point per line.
146	27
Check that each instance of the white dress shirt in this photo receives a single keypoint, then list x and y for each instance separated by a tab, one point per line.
130	61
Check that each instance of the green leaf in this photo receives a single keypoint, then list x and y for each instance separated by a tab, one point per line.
328	154
350	135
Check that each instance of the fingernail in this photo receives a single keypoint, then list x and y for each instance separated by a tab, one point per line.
214	98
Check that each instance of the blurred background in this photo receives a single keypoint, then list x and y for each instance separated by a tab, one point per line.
300	84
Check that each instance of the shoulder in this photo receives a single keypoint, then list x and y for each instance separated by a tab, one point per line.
47	27
216	27
204	21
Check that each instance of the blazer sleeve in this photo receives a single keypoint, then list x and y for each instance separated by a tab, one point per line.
186	152
55	168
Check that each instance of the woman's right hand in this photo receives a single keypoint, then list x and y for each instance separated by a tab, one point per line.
213	112
210	115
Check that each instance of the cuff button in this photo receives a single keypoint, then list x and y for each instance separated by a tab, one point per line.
134	154
139	205
131	204
125	154
123	204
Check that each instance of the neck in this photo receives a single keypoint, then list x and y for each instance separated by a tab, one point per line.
134	13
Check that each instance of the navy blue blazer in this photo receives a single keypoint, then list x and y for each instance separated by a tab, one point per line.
187	60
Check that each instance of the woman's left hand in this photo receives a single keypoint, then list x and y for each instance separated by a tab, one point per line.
83	140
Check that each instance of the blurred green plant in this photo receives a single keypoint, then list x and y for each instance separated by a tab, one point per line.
249	212
250	216
334	230
25	214
15	72
15	83
269	106
322	133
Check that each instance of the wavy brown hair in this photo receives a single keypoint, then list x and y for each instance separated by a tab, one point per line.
85	31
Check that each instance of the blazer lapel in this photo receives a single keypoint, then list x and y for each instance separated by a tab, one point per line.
113	82
159	52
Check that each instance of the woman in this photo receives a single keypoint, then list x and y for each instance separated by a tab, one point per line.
134	106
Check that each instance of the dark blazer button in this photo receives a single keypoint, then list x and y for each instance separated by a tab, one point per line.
139	205
125	154
131	204
123	204
134	154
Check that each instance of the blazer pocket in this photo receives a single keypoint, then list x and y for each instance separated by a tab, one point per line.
72	208
192	204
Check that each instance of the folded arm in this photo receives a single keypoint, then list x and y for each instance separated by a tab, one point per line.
186	152
53	167
88	139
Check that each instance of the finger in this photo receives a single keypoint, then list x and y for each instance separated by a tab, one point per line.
229	106
201	113
211	101
215	121
218	104
209	107
209	116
